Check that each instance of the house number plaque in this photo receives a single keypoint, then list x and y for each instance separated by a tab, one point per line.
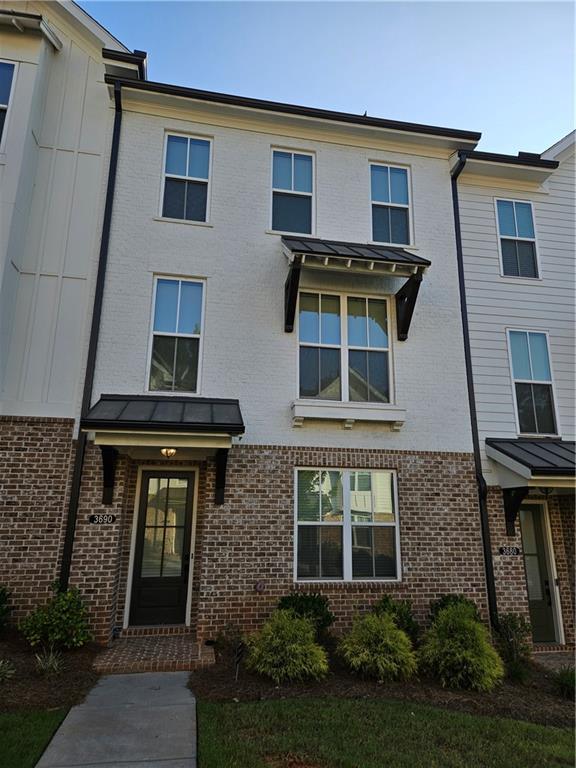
101	519
509	550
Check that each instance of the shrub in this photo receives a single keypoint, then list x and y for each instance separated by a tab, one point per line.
49	662
5	607
457	651
401	612
285	649
309	605
376	648
446	600
564	679
512	639
61	623
7	670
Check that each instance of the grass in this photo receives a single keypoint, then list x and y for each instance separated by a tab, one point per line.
353	733
24	736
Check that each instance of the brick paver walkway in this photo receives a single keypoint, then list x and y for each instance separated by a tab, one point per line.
554	660
171	653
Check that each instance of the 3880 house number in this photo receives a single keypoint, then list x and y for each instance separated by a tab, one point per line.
101	519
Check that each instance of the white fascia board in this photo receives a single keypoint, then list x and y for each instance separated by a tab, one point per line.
161	439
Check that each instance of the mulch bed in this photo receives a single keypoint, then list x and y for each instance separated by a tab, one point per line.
535	701
29	690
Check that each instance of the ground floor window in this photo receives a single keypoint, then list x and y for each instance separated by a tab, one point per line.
346	525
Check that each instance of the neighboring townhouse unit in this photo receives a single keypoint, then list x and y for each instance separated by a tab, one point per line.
518	236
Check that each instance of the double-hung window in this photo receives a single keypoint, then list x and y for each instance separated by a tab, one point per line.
344	348
186	178
532	376
517	238
6	78
292	192
176	335
390	198
346	525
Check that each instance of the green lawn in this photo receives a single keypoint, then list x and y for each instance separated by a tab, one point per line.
24	736
352	733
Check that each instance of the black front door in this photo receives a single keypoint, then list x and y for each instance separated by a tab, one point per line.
162	556
538	576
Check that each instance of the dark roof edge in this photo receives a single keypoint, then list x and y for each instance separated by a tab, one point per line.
305	238
35	16
293	109
137	57
174	398
522	158
94	425
539	471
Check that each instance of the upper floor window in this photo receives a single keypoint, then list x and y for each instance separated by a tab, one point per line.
390	204
532	382
176	335
186	178
292	192
344	348
517	238
6	78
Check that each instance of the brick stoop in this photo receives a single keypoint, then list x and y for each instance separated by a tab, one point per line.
156	653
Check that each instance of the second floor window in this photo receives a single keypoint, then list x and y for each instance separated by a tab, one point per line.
344	348
532	382
517	238
292	192
6	77
176	335
186	178
390	204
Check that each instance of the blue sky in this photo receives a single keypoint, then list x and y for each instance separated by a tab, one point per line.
503	68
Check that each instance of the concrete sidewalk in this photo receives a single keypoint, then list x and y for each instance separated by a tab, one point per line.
129	721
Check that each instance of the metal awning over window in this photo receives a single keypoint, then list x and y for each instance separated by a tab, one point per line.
371	260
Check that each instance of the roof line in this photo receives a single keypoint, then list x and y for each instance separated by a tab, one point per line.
522	158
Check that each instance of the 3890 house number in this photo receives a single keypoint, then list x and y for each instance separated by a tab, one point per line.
509	550
101	519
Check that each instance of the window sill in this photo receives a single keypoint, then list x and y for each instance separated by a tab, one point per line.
348	413
517	280
288	234
355	583
184	221
394	245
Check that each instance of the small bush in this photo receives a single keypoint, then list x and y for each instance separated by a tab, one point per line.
7	670
401	612
285	649
376	648
513	641
5	607
446	600
564	680
309	605
61	623
49	662
457	651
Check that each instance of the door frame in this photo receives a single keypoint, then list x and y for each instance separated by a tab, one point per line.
551	563
195	470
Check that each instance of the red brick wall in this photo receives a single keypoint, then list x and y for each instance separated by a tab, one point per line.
561	510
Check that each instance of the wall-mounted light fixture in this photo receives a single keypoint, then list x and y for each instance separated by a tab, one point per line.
168	453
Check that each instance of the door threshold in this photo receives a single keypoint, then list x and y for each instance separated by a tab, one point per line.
147	630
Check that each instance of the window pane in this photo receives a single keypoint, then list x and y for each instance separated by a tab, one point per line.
380	186
360	497
292	213
308	318
373	552
545	423
196	197
506	218
173	546
152	553
190	316
162	365
378	377
526	415
526	259
377	323
509	258
6	75
186	365
319	552
520	356
302	173
309	371
524	220
539	357
358	375
383	497
332	500
155	502
399	226
166	306
330	319
380	224
330	374
533	580
282	171
2	120
199	160
357	325
174	199
176	151
308	496
176	501
399	185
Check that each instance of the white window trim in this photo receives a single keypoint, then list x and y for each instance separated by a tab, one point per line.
408	207
8	106
515	381
152	333
312	194
343	347
500	236
207	181
346	525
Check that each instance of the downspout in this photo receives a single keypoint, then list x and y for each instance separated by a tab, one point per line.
93	344
481	482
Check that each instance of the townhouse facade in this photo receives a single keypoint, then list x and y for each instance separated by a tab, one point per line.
272	367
